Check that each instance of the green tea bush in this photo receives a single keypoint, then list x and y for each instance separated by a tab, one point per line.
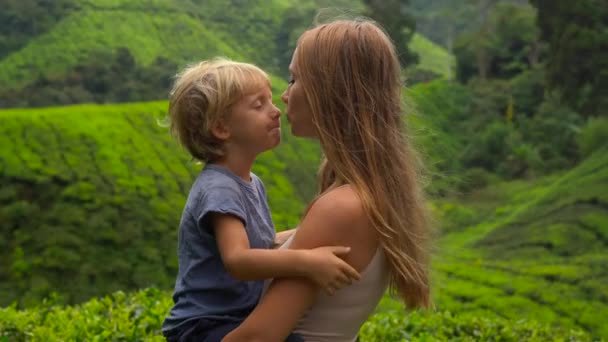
118	317
445	326
139	316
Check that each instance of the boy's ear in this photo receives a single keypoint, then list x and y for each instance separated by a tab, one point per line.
220	130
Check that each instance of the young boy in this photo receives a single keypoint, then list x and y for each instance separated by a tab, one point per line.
222	112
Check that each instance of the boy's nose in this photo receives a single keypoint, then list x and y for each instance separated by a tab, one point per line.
277	112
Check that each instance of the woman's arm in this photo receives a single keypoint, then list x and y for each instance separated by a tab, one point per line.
335	218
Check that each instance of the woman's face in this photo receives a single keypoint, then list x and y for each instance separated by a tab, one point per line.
298	110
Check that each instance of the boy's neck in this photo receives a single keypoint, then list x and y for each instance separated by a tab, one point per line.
238	164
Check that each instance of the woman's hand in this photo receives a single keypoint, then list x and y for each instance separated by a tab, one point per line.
328	270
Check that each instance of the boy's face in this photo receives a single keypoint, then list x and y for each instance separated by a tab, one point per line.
255	122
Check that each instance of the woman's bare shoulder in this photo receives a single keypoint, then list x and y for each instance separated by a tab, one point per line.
338	218
339	205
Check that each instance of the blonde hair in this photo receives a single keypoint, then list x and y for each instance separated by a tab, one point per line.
350	75
204	94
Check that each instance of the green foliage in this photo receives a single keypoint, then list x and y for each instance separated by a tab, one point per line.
572	30
436	106
138	317
432	57
525	145
105	77
491	147
517	133
504	45
443	20
527	91
116	317
454	216
593	136
445	326
552	132
476	178
17	26
296	20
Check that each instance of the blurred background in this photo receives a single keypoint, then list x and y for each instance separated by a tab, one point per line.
506	102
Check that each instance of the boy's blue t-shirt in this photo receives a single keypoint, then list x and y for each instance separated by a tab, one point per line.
204	289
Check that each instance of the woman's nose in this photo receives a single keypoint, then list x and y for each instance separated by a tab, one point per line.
284	96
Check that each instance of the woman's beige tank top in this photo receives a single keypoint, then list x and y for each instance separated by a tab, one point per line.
339	317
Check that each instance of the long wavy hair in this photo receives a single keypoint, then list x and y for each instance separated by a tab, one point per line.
351	77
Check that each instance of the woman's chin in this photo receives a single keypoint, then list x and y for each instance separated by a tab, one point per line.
294	132
300	134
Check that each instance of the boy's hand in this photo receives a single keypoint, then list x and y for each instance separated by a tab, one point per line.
327	269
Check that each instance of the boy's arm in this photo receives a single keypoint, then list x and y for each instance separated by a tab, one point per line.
245	263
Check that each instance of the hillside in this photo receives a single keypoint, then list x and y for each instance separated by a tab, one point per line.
530	249
180	31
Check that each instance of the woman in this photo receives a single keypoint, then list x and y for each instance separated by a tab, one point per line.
345	91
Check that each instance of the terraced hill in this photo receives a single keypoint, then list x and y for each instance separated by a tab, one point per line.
181	31
531	249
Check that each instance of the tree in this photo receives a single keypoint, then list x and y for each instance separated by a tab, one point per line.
443	20
505	44
295	21
393	15
577	58
21	20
